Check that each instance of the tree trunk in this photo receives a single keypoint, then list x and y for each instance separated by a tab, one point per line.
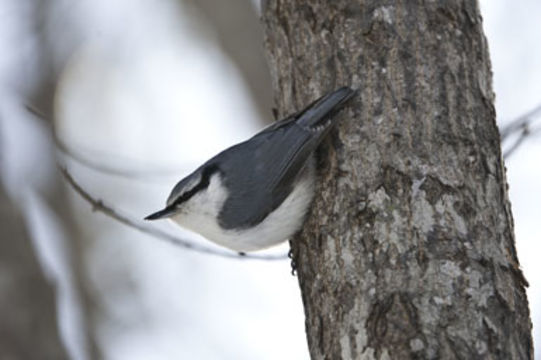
28	318
234	25
408	251
40	95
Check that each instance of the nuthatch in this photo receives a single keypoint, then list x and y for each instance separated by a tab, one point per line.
256	194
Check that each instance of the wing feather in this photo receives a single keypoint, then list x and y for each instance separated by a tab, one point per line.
264	169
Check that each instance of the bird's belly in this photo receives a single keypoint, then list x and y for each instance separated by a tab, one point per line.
277	227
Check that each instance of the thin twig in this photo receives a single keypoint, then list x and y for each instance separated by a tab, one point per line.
523	124
126	172
526	132
520	122
101	206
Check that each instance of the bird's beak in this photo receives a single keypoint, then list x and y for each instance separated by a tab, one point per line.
165	213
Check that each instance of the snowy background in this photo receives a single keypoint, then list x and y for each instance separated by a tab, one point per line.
144	88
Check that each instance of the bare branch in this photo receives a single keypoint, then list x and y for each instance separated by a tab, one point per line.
132	173
138	173
101	206
519	123
526	132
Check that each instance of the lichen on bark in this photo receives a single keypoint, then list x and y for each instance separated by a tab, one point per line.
408	251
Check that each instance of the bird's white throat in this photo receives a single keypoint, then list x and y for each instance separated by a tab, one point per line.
200	214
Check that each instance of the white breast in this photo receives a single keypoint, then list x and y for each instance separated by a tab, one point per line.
201	213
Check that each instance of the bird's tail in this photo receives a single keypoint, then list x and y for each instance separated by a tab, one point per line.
318	111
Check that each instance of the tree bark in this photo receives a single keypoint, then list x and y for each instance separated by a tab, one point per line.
408	251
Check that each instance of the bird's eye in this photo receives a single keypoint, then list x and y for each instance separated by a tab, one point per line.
185	190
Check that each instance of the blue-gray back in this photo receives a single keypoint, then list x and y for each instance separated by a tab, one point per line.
263	170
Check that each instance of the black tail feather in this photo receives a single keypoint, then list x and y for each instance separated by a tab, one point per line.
323	107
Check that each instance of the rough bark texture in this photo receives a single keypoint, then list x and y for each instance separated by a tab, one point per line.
409	248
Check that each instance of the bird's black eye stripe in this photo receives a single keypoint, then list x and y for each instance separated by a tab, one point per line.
203	184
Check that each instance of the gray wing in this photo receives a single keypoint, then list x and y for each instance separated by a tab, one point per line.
262	175
264	169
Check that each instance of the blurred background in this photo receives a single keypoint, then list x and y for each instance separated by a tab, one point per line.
141	92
